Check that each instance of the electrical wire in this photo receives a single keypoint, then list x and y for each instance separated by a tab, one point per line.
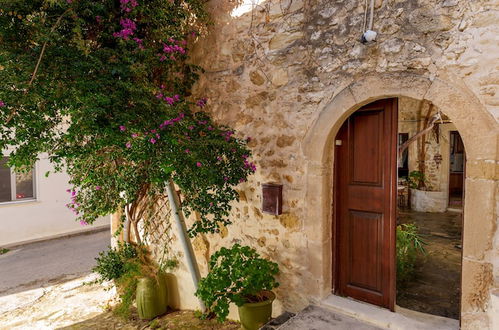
365	17
372	16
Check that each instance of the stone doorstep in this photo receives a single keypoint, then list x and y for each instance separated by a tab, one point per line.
402	319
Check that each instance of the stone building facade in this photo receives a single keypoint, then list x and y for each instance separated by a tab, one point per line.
287	73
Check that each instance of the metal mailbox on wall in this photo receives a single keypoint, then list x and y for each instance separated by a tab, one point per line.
272	198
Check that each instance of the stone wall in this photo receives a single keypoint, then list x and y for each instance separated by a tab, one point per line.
278	72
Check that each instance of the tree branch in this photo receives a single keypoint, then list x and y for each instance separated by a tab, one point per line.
428	128
37	66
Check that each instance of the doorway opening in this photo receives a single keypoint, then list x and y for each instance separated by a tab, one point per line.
429	221
397	215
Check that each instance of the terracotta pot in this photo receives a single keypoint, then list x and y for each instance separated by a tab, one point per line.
254	315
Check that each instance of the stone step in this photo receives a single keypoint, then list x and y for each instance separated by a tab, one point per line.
317	318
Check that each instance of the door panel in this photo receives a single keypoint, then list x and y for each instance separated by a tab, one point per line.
365	199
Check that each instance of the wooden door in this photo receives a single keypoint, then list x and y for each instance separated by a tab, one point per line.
365	204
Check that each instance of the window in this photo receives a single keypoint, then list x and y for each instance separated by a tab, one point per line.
403	164
15	186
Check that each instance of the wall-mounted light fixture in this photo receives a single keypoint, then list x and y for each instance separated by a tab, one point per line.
272	198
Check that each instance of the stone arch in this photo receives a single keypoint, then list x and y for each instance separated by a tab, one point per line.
479	133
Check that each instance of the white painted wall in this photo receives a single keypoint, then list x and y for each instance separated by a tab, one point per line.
45	217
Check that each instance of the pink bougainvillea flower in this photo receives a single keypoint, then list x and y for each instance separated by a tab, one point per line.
187	151
122	128
98	187
128	5
83	223
2	104
190	128
202	102
139	43
128	29
134	135
210	128
128	145
226	178
198	164
152	140
211	203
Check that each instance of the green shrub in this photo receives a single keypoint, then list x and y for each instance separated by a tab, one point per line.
237	275
125	265
112	264
409	245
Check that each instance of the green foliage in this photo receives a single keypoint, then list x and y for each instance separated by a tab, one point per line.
409	246
3	251
105	89
417	180
125	265
168	264
113	263
237	275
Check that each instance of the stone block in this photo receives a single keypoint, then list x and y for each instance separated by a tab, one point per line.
479	218
476	282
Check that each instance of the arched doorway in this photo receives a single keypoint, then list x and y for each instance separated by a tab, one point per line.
479	133
392	226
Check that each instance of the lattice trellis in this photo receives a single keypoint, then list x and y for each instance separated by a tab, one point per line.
156	229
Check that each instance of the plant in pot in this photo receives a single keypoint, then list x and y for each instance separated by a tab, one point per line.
239	275
137	278
422	195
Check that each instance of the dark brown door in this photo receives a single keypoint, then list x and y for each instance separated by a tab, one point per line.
365	199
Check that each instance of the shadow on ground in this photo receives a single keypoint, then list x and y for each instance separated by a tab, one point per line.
172	320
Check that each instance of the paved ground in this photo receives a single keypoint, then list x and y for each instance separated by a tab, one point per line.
436	286
56	304
30	266
318	318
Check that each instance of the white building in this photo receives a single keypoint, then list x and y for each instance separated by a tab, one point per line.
32	206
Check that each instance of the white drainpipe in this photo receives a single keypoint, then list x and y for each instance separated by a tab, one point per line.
184	238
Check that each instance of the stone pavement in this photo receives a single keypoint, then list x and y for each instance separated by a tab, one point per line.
318	318
54	305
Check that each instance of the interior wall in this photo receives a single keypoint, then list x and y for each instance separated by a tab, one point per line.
410	121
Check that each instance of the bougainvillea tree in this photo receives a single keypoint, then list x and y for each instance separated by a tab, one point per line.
103	87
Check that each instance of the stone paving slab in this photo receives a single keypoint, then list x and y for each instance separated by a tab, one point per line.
318	318
57	305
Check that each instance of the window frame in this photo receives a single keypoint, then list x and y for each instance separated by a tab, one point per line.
13	187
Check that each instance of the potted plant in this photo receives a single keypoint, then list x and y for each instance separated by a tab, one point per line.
423	198
239	275
137	278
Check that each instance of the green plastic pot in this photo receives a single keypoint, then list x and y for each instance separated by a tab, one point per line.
150	302
163	289
254	315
